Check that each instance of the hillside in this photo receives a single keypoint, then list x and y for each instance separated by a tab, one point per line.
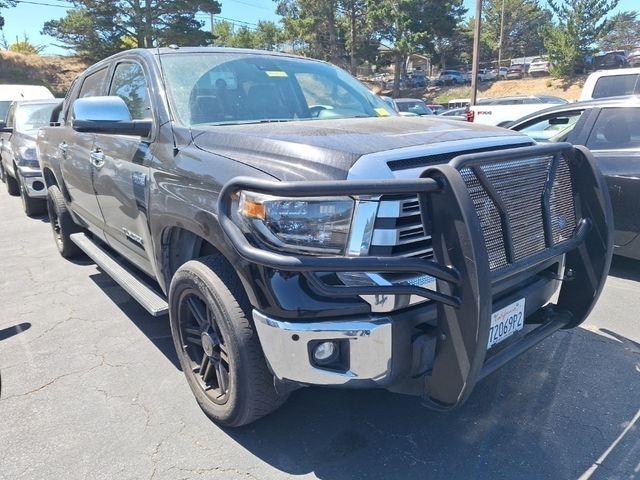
54	72
567	89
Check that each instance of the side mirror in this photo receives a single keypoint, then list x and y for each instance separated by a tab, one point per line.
107	115
4	128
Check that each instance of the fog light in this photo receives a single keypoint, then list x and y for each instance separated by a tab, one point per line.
325	353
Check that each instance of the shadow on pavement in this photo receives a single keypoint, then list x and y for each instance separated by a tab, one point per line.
14	330
157	329
626	268
550	414
554	413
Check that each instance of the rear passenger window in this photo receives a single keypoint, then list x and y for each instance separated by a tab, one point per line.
93	84
130	84
616	85
616	129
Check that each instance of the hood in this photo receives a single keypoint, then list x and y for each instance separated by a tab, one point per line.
327	149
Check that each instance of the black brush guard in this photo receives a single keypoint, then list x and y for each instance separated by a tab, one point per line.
460	264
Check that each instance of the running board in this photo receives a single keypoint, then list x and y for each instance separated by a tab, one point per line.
139	290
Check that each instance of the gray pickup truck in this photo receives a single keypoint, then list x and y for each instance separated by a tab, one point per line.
299	232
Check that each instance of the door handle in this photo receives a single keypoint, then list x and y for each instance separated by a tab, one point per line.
97	158
63	148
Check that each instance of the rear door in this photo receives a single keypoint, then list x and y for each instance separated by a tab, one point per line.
615	142
121	169
5	143
74	152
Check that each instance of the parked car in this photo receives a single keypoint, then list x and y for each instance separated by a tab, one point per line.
12	93
610	128
539	66
436	108
278	216
500	74
487	75
455	113
501	111
516	72
419	80
634	58
611	83
19	167
608	60
413	105
452	77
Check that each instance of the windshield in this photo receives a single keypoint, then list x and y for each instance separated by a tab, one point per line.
231	88
418	108
31	117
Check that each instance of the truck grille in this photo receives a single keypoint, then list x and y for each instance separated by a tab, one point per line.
520	184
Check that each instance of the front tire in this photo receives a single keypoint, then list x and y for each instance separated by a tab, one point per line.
217	345
62	223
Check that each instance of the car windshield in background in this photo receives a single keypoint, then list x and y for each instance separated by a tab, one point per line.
419	108
231	88
30	117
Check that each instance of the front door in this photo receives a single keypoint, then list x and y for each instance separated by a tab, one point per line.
121	171
615	142
74	150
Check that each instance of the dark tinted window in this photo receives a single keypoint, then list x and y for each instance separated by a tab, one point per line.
130	84
93	84
616	85
616	128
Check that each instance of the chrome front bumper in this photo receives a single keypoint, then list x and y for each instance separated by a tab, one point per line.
286	348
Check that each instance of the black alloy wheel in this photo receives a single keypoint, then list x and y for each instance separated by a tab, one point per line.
203	344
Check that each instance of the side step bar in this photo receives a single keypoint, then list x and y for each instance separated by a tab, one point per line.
146	296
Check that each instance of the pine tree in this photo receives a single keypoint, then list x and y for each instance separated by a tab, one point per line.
581	24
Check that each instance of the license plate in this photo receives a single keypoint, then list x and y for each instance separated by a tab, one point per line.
505	322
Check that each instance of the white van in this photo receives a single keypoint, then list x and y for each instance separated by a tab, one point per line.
611	83
12	93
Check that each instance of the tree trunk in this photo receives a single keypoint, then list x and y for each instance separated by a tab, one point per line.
354	33
331	27
396	74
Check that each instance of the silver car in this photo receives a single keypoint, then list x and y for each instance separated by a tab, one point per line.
19	167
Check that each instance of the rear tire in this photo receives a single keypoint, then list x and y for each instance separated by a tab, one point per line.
12	185
217	345
62	223
32	206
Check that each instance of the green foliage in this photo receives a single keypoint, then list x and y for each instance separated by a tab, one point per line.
97	28
266	36
408	26
522	26
581	24
624	32
25	47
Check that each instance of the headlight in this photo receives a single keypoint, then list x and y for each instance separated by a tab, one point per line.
27	157
315	225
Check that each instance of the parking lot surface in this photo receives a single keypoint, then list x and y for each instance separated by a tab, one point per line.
91	389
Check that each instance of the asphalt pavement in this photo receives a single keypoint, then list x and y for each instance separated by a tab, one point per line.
91	389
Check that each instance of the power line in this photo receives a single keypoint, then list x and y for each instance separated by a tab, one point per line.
249	4
45	4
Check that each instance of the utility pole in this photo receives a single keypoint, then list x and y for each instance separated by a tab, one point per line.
501	36
476	53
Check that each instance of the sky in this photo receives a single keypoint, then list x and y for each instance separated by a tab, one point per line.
29	16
